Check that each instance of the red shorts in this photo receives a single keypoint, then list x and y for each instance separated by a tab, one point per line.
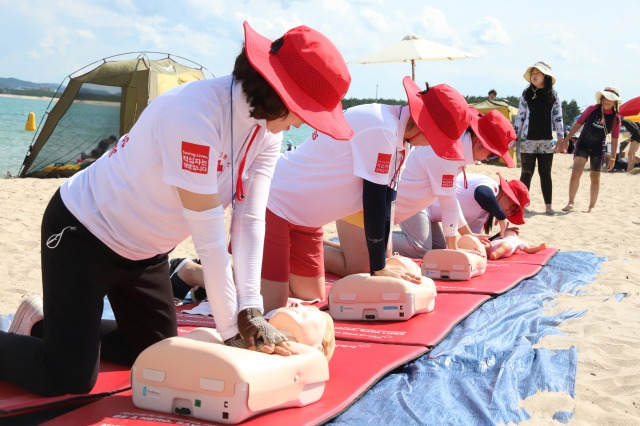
291	249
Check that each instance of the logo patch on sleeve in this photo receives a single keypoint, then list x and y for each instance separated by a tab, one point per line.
447	181
195	158
383	162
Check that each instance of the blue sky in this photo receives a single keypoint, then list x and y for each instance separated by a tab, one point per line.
589	44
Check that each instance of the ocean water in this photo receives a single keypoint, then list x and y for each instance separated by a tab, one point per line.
15	140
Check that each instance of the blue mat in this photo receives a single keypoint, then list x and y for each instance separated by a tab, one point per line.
479	373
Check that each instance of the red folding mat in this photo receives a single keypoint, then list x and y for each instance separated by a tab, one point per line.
540	258
112	379
15	401
354	368
423	329
500	276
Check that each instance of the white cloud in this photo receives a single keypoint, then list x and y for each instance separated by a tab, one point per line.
86	34
206	9
54	41
489	30
375	20
433	24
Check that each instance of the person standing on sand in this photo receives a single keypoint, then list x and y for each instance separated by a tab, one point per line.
107	231
539	112
597	121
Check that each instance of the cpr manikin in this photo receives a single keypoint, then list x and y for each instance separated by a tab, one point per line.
226	384
467	262
358	297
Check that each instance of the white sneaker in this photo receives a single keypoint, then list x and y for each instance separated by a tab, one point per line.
29	312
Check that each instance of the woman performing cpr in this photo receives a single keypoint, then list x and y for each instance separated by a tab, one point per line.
109	229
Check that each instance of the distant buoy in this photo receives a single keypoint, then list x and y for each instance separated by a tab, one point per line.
31	122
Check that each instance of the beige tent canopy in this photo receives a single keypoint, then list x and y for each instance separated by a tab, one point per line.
487	105
103	102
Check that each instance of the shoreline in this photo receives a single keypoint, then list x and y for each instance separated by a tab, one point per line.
50	98
11	95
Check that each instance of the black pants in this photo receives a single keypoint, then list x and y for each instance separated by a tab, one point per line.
76	275
528	163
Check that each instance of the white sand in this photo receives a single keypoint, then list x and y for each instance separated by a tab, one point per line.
607	338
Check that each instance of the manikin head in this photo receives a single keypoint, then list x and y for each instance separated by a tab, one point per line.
308	325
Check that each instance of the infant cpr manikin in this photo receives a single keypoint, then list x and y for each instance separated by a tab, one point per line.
459	265
196	375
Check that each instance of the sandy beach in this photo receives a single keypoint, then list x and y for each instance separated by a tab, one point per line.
606	336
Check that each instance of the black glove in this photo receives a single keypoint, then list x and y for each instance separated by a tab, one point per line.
235	341
255	331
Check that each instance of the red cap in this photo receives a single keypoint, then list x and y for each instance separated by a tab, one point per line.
442	114
309	74
519	194
495	133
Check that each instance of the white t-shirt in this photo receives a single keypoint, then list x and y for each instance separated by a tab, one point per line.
475	215
128	197
321	181
427	178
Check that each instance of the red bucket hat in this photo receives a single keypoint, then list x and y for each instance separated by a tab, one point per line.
519	194
630	108
309	74
442	114
495	133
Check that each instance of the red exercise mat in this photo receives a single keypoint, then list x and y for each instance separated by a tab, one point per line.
540	258
421	330
354	368
500	276
15	400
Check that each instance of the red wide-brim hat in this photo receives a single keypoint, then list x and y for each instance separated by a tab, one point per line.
442	114
308	73
519	194
495	133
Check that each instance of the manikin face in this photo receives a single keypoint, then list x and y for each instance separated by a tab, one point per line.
308	325
284	123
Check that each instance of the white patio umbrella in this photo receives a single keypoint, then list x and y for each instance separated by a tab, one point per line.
413	48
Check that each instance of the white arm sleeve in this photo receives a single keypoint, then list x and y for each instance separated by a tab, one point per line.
247	240
450	210
462	221
210	240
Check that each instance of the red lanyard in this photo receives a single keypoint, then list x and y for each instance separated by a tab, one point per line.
239	186
394	181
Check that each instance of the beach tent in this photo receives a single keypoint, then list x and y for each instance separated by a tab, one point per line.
105	101
487	105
